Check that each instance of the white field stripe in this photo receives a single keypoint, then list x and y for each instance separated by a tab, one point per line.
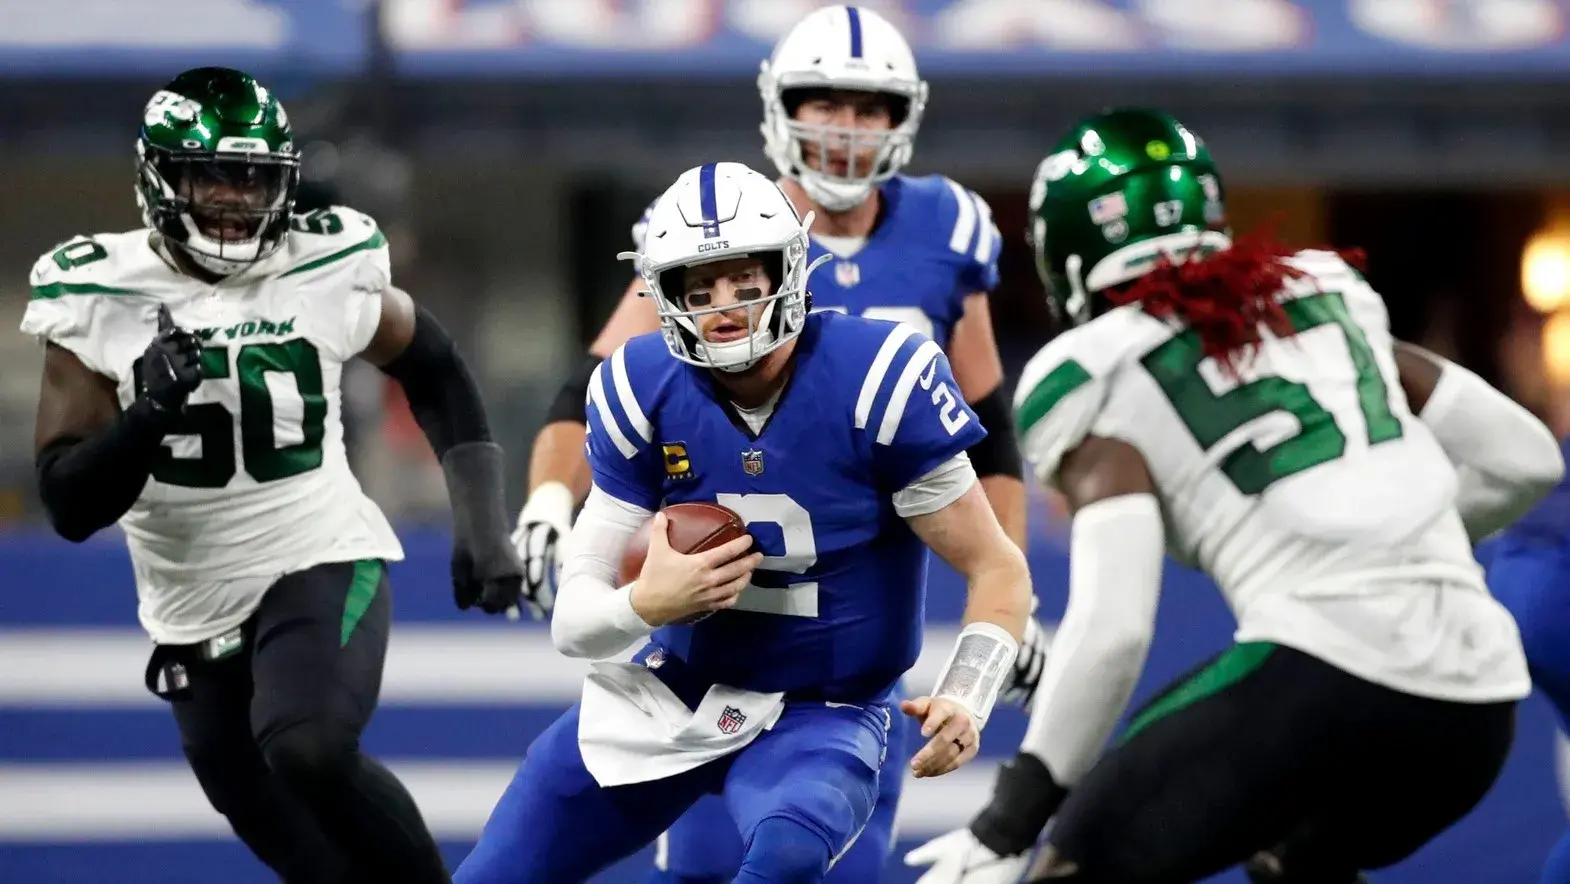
62	803
426	666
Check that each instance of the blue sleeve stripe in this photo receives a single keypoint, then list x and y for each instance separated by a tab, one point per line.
926	357
607	419
629	402
880	368
965	224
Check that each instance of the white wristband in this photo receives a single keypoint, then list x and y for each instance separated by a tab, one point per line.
982	660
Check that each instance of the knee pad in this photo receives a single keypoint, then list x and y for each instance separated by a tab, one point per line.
784	851
308	753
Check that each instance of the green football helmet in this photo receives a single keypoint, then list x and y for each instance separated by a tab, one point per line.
1119	191
217	170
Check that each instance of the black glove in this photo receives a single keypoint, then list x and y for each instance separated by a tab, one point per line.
485	567
1024	799
171	366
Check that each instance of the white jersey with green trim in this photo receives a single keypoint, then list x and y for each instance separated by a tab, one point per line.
254	482
1303	484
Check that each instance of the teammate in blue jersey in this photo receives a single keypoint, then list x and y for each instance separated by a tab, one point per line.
842	101
765	675
1528	569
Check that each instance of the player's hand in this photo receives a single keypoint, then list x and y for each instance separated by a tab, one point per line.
953	737
485	572
541	543
958	858
171	366
485	568
673	586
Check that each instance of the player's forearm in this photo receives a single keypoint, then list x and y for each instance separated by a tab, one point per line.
1097	654
88	484
594	618
558	458
1006	494
1099	649
1506	458
948	511
997	610
1000	593
443	394
445	401
559	473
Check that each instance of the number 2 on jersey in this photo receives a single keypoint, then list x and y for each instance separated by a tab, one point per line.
800	553
1211	416
213	424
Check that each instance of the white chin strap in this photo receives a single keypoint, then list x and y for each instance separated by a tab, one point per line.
739	355
218	257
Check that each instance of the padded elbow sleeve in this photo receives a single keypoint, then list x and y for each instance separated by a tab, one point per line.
998	453
570	403
442	394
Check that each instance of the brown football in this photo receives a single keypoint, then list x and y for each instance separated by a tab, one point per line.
691	528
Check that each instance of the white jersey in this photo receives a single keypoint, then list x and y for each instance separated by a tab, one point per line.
255	484
1304	486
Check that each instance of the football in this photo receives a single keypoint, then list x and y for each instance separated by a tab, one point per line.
691	528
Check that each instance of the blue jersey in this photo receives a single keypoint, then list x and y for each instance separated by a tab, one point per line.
836	608
934	245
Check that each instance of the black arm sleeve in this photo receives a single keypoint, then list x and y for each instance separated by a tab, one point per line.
569	404
998	454
87	484
442	394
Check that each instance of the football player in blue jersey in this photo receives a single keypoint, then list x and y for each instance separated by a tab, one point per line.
842	102
1528	569
764	674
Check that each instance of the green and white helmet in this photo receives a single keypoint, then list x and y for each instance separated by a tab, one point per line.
217	169
1120	190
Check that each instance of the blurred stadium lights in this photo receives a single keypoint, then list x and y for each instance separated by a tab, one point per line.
1556	349
1545	286
1545	269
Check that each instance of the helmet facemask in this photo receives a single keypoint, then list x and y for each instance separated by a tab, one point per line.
772	318
225	211
806	151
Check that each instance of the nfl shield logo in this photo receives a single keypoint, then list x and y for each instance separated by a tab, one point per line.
846	273
731	720
752	462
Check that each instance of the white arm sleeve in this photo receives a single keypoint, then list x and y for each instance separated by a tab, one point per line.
594	618
937	488
1505	458
1115	555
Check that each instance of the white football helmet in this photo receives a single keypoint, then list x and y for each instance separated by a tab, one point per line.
840	47
716	212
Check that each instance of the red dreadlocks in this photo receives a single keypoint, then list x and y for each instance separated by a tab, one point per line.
1226	296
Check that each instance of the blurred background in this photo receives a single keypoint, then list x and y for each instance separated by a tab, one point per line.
506	147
